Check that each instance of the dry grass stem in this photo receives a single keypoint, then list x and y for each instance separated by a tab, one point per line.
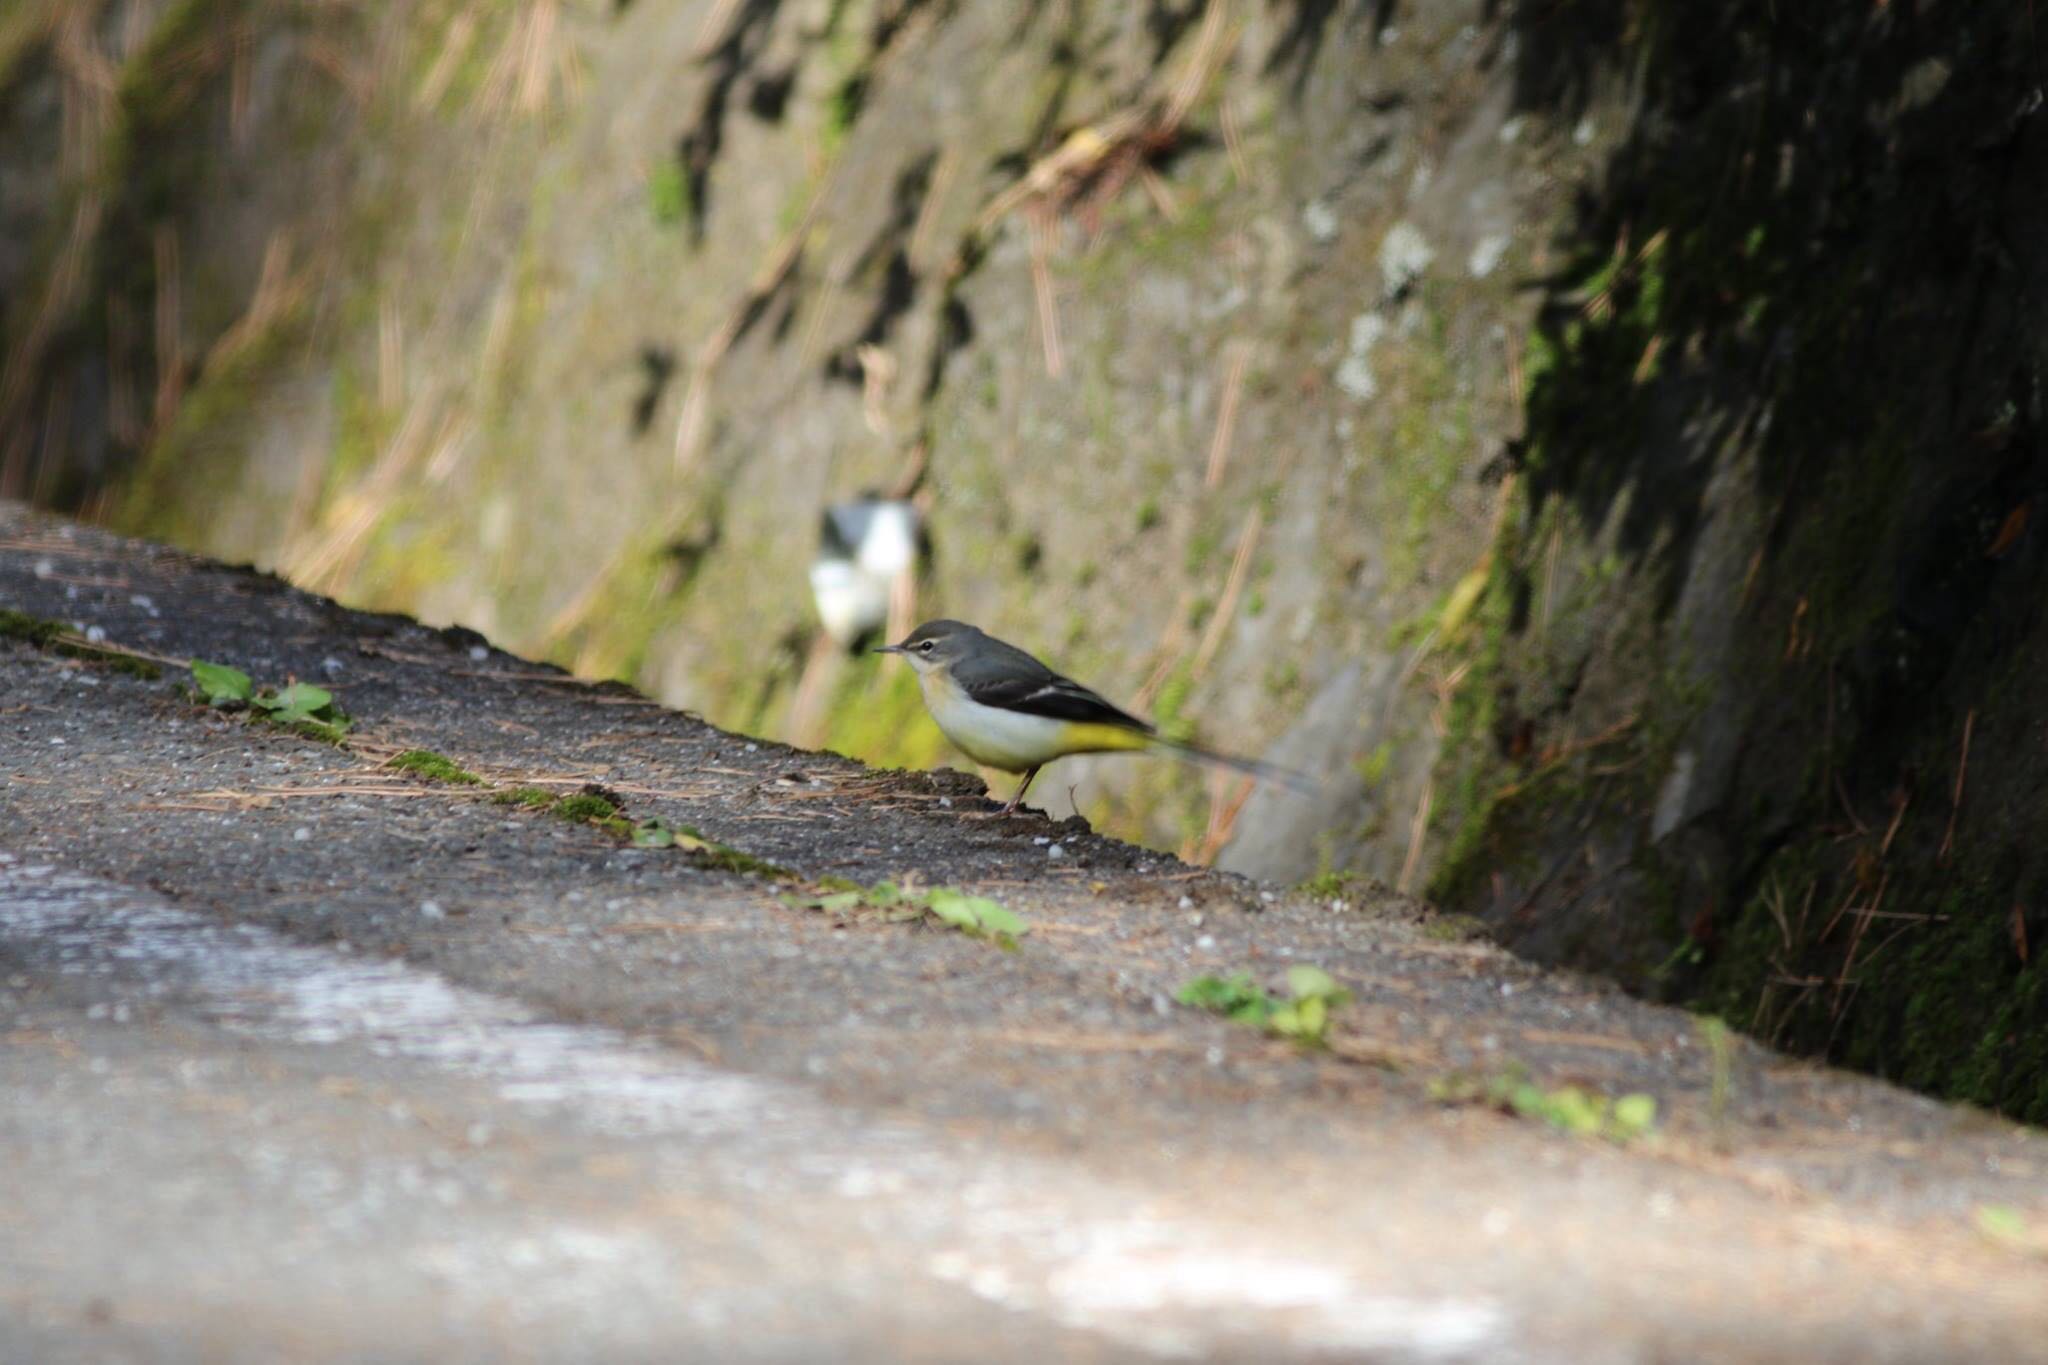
1093	163
711	33
1233	143
523	74
1955	809
1543	1037
455	45
1041	225
1159	192
329	562
1226	802
1172	646
918	249
1239	354
277	293
1203	63
1226	607
1418	833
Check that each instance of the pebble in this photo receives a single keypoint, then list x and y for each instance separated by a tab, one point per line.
432	910
1055	852
478	653
301	835
1320	220
1187	902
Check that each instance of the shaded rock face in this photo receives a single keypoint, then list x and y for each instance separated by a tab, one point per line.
1758	720
1600	441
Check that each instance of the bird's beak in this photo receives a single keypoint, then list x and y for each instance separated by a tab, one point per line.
889	649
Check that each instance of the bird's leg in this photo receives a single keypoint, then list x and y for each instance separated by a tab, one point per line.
1011	809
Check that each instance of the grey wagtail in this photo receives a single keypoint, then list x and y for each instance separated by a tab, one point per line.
1005	709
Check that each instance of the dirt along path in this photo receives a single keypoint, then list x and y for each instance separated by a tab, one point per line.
307	1055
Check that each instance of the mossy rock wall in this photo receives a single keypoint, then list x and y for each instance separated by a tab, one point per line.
1757	718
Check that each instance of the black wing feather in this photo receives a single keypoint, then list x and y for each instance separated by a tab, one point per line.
1004	676
1054	697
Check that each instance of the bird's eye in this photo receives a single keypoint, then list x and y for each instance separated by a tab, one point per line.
925	648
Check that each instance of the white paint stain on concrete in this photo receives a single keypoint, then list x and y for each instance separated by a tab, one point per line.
1028	1235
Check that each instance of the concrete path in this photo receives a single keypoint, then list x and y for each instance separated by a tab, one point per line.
306	1058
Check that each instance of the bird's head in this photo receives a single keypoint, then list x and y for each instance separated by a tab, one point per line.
935	646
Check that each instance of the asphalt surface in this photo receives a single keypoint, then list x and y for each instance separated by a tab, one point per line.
305	1057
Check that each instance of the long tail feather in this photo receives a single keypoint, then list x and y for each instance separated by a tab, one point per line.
1300	783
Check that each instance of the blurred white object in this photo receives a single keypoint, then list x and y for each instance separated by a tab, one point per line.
864	547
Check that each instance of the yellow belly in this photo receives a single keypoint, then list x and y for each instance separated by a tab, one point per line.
1011	740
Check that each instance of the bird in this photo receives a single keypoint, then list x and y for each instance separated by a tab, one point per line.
1006	710
864	546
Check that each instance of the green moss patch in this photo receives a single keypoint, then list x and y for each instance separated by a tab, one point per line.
705	852
58	638
435	768
585	808
527	798
32	630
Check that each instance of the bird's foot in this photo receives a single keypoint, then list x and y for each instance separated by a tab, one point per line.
1002	812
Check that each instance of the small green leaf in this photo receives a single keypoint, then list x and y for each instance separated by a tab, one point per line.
955	909
653	833
1573	1110
1216	993
1306	982
997	920
300	701
221	685
1236	997
835	902
1634	1115
305	696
